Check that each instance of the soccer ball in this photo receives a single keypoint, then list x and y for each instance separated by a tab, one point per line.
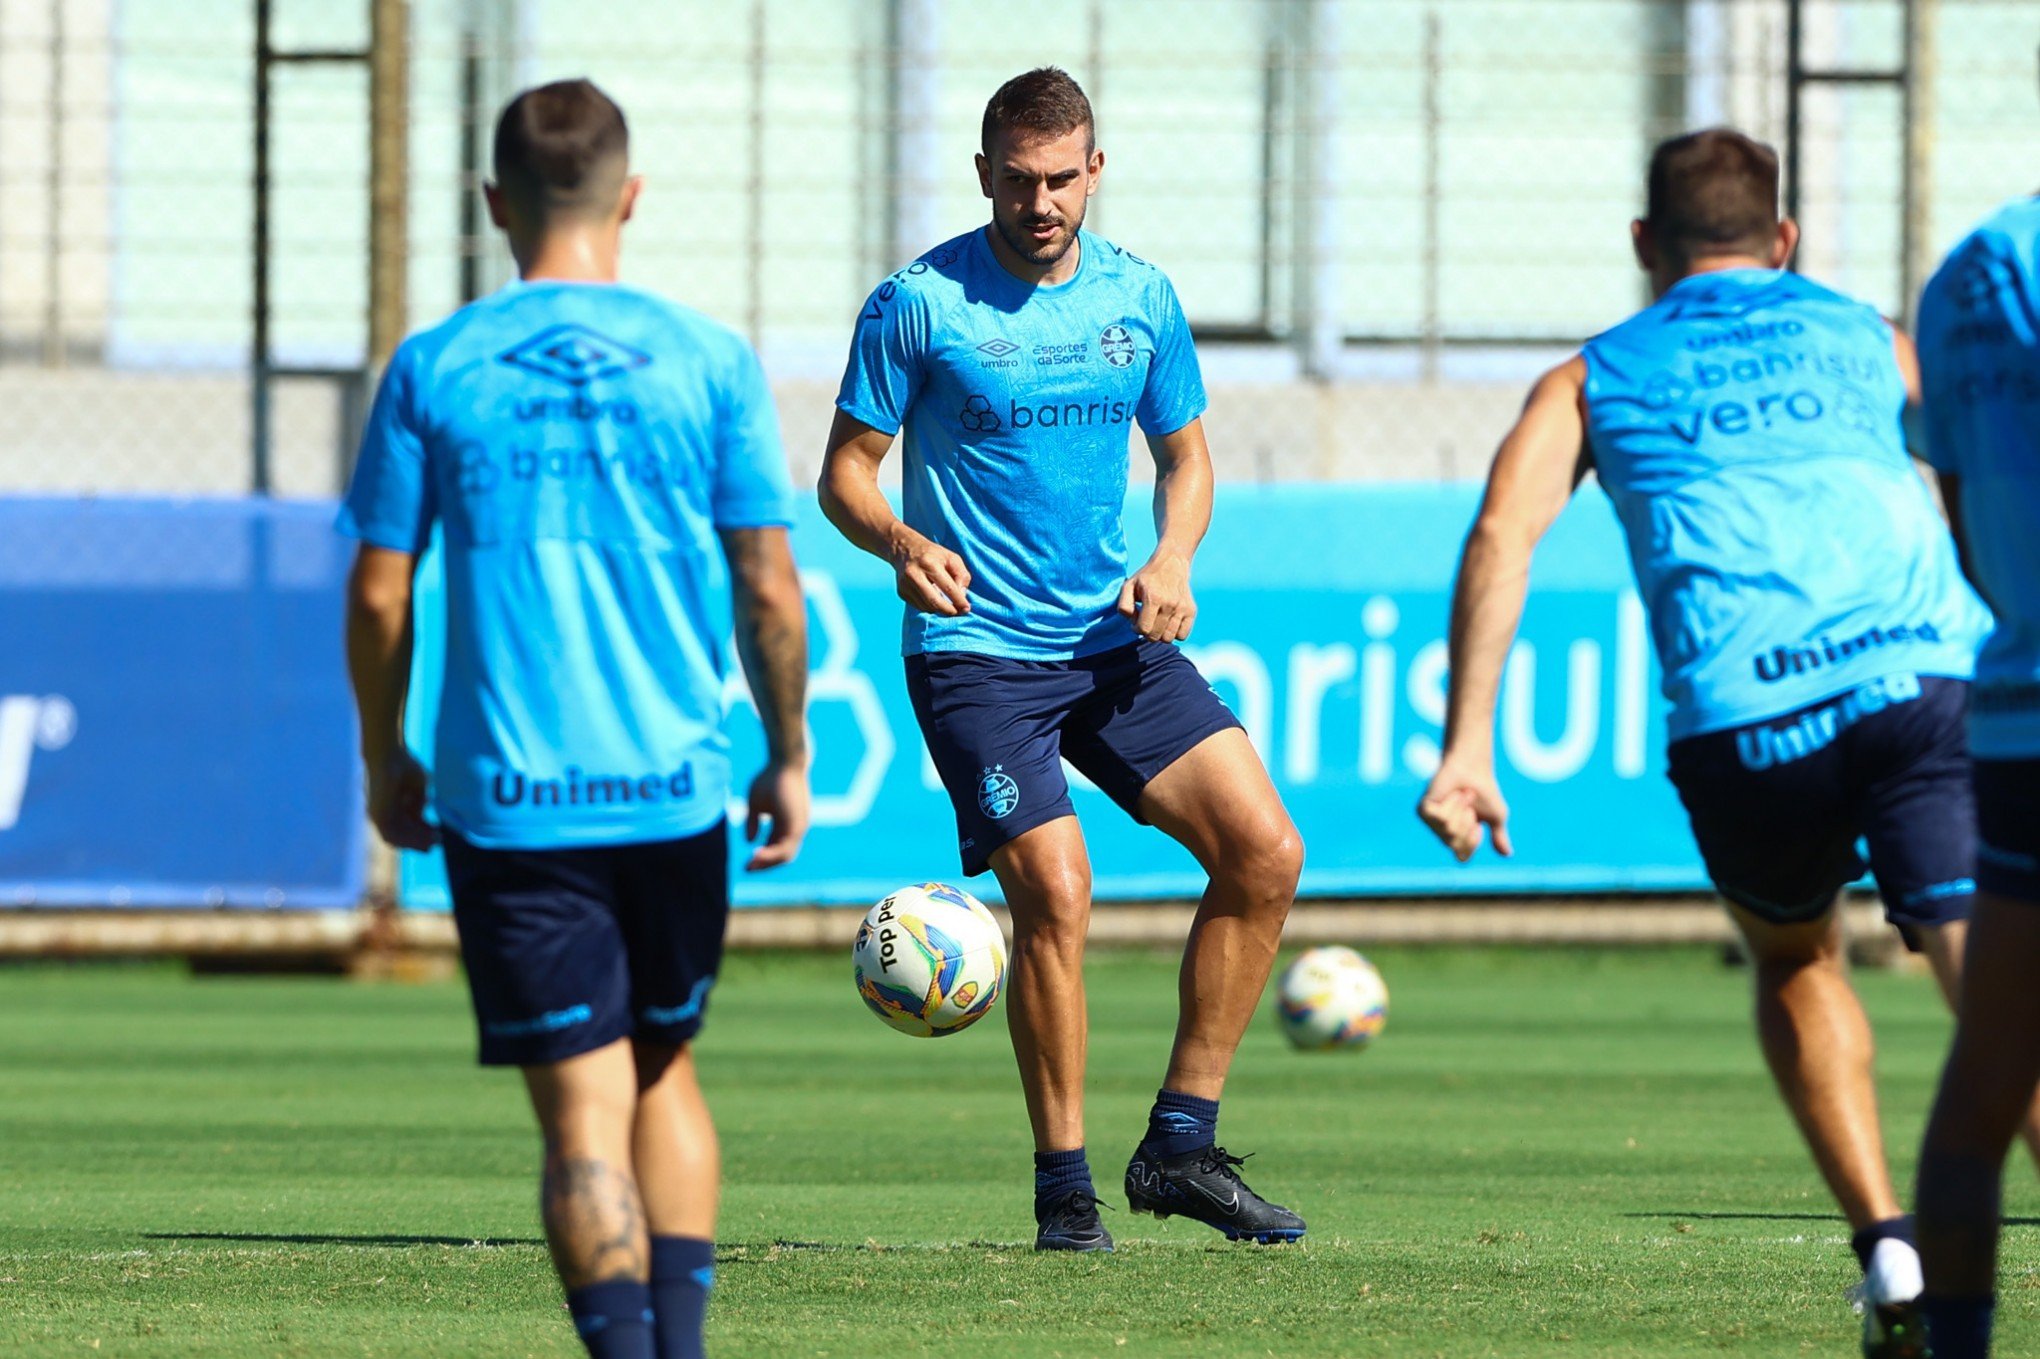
1331	997
930	960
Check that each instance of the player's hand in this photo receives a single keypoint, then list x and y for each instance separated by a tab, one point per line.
1464	797
398	790
779	796
932	578
1158	600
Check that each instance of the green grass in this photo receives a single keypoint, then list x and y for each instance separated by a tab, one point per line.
1547	1153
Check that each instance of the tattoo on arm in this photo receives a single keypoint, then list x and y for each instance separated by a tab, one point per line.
771	635
594	1221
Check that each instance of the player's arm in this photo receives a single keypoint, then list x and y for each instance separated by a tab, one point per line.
1921	439
1157	597
1534	475
931	578
379	663
1951	505
771	627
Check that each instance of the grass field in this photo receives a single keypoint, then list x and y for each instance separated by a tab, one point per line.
1548	1152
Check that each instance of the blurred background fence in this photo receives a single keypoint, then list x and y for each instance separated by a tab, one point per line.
1382	215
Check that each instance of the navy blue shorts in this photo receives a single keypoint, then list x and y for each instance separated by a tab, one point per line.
568	950
2008	818
1778	806
1000	729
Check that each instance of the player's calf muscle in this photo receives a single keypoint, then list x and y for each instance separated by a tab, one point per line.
594	1221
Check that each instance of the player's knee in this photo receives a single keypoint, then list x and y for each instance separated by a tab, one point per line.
1057	919
654	1061
1266	864
1780	951
1285	860
1046	891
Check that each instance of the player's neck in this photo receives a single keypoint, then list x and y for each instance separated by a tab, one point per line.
589	256
1711	264
1036	275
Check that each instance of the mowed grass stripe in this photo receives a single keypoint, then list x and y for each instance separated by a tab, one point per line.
1548	1151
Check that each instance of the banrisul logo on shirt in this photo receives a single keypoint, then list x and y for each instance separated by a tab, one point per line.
574	354
977	415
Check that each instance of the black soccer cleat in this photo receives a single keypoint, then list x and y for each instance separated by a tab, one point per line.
1071	1223
1203	1185
1894	1330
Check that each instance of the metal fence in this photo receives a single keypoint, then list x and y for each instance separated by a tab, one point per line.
1382	215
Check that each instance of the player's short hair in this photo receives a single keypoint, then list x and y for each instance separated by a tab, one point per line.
1713	192
562	147
1046	103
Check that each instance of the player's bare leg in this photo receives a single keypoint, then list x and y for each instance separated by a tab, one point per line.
1817	1041
1818	1044
679	1175
594	1219
1045	873
1945	949
673	1146
1986	1092
1046	876
1218	802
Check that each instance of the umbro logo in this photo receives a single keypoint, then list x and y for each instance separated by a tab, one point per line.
998	348
574	354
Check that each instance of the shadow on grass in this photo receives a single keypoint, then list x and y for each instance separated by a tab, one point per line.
1835	1218
324	1239
757	1252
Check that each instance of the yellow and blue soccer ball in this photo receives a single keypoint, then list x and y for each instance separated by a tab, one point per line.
1331	997
930	960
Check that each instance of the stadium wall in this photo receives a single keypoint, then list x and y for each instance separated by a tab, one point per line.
191	742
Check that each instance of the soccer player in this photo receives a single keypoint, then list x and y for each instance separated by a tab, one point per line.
606	471
1015	357
1979	334
1813	628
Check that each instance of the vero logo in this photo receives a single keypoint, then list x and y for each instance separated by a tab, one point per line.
28	724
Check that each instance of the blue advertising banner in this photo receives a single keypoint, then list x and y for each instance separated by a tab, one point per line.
175	727
1322	621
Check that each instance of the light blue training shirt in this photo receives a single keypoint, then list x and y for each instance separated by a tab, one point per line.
1747	428
1979	336
1018	403
580	445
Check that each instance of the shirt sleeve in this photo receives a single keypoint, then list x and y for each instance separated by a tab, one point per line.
1174	395
752	486
887	353
390	501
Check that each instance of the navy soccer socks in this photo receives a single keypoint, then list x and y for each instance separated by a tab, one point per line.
1180	1123
1065	1204
683	1272
1958	1328
614	1319
1056	1173
1864	1243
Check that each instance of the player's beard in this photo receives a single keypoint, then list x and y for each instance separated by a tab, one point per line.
1047	255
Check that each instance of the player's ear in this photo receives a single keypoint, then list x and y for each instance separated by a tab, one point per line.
1787	241
984	169
499	217
626	205
1640	241
1093	171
